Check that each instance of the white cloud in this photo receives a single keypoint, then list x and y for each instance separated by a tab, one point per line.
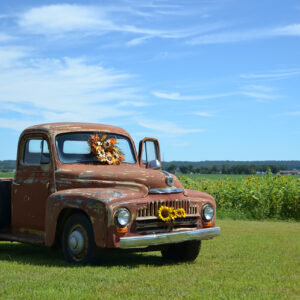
177	96
62	19
64	90
166	127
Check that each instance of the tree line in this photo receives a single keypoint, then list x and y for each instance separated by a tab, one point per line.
224	169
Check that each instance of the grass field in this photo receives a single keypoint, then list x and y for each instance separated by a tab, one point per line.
250	260
6	174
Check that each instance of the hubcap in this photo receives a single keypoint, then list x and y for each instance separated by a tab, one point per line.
76	242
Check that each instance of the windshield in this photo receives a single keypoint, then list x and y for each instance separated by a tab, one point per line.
94	147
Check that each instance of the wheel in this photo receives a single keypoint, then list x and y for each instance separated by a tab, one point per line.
78	242
186	251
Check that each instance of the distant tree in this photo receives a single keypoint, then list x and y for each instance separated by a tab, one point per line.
183	169
274	169
171	168
191	169
225	169
214	169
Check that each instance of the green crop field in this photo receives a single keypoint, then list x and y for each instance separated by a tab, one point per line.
250	197
250	260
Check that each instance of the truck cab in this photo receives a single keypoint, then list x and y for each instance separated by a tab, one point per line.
84	187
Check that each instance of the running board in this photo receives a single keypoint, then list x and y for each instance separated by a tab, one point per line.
23	238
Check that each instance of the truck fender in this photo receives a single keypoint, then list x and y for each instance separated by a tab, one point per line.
94	202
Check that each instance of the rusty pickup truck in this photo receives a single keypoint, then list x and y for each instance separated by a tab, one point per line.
85	188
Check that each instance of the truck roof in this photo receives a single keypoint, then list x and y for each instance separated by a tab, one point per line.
56	128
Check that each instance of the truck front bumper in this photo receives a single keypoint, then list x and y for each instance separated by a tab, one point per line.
168	238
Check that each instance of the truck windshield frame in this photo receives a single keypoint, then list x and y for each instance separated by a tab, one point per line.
80	153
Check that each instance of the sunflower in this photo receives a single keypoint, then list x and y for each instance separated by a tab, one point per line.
164	213
109	158
180	213
107	144
173	213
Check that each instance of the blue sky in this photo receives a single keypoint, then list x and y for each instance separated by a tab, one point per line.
213	80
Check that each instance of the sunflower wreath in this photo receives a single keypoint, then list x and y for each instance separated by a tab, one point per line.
105	150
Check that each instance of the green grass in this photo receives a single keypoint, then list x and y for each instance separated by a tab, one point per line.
250	260
6	174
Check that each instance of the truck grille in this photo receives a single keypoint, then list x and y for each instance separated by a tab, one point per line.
153	207
152	225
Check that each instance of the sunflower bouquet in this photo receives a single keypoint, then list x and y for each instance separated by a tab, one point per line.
105	150
169	214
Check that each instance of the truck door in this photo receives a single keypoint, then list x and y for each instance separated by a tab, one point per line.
32	184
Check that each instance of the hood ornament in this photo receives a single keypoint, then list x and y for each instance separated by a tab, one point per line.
169	178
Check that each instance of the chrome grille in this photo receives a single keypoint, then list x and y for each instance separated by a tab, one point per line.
153	225
153	207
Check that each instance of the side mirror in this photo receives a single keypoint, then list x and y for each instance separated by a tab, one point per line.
154	164
149	153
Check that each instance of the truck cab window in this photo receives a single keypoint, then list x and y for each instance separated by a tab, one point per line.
36	152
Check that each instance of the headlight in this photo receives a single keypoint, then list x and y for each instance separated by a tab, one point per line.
122	216
208	212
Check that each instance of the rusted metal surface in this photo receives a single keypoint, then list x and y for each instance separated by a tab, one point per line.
43	196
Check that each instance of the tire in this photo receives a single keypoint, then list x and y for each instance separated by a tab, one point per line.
5	209
78	242
186	251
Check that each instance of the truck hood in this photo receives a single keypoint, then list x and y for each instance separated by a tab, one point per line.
122	176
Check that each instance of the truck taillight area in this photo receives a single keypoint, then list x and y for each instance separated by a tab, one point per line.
84	186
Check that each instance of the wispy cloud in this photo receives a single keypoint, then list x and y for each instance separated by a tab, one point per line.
258	92
177	96
279	74
258	95
293	29
166	127
260	88
62	19
245	35
64	89
252	91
